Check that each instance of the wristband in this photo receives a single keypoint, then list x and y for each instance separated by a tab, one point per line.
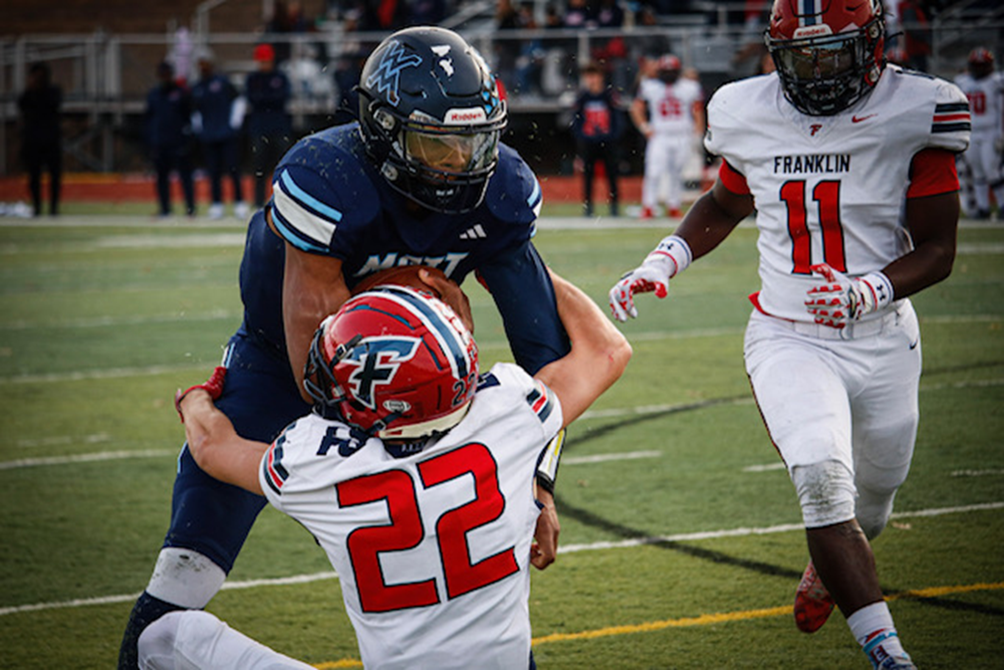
876	292
677	250
547	468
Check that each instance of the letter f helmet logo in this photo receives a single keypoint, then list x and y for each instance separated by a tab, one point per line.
377	360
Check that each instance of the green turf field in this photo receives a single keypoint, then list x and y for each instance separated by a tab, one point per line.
680	535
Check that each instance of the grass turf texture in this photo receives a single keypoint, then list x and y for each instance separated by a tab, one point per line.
101	323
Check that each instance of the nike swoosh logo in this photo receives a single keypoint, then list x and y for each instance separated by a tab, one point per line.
856	119
913	345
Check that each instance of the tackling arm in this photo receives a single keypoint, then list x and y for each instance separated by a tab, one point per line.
598	357
216	446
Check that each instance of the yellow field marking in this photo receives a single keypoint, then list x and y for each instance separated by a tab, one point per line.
708	619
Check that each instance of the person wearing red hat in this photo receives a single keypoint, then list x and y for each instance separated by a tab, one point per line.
268	123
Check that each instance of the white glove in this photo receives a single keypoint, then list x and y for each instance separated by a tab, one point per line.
669	259
843	300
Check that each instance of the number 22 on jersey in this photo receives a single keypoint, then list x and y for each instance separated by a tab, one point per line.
826	196
406	531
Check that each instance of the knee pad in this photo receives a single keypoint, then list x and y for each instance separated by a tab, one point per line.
874	509
825	491
185	578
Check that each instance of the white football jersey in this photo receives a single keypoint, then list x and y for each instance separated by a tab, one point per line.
433	548
831	188
986	101
671	106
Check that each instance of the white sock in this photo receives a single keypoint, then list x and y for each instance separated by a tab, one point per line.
873	628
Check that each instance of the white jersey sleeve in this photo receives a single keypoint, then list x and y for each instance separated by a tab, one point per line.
831	188
432	548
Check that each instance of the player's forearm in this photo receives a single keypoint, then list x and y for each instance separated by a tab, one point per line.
216	446
599	354
712	218
313	288
933	225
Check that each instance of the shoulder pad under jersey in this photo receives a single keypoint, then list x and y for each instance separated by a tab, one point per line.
513	194
321	184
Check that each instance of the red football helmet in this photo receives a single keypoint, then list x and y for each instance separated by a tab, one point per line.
395	362
981	62
669	68
828	53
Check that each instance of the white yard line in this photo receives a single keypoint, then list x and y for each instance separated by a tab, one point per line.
569	549
86	458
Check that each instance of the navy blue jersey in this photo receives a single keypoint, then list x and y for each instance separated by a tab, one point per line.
213	98
267	94
168	116
328	199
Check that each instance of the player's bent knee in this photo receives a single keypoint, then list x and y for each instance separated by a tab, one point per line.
826	493
185	578
156	644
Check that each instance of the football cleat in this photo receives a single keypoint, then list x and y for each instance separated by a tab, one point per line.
813	603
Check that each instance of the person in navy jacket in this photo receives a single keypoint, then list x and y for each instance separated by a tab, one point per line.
217	118
169	135
597	123
268	123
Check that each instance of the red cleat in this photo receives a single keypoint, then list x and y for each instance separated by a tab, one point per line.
675	213
646	213
813	603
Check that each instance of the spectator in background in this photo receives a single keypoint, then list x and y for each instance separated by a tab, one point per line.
913	15
268	123
506	48
41	138
218	111
597	125
169	134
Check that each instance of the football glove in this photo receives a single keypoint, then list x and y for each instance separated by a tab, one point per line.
213	386
843	300
667	260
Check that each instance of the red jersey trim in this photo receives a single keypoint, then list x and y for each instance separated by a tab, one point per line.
932	172
732	179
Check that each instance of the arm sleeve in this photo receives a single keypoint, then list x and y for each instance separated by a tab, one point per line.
523	293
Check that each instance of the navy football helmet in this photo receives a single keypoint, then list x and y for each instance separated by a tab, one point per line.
395	362
431	117
828	53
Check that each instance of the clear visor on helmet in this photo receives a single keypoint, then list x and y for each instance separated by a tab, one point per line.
450	153
818	59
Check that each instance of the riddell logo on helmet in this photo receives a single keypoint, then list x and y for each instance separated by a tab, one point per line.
465	116
813	31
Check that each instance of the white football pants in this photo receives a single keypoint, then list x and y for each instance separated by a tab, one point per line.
196	640
844	407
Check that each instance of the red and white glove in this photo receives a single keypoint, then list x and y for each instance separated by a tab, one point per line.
667	260
843	300
213	386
